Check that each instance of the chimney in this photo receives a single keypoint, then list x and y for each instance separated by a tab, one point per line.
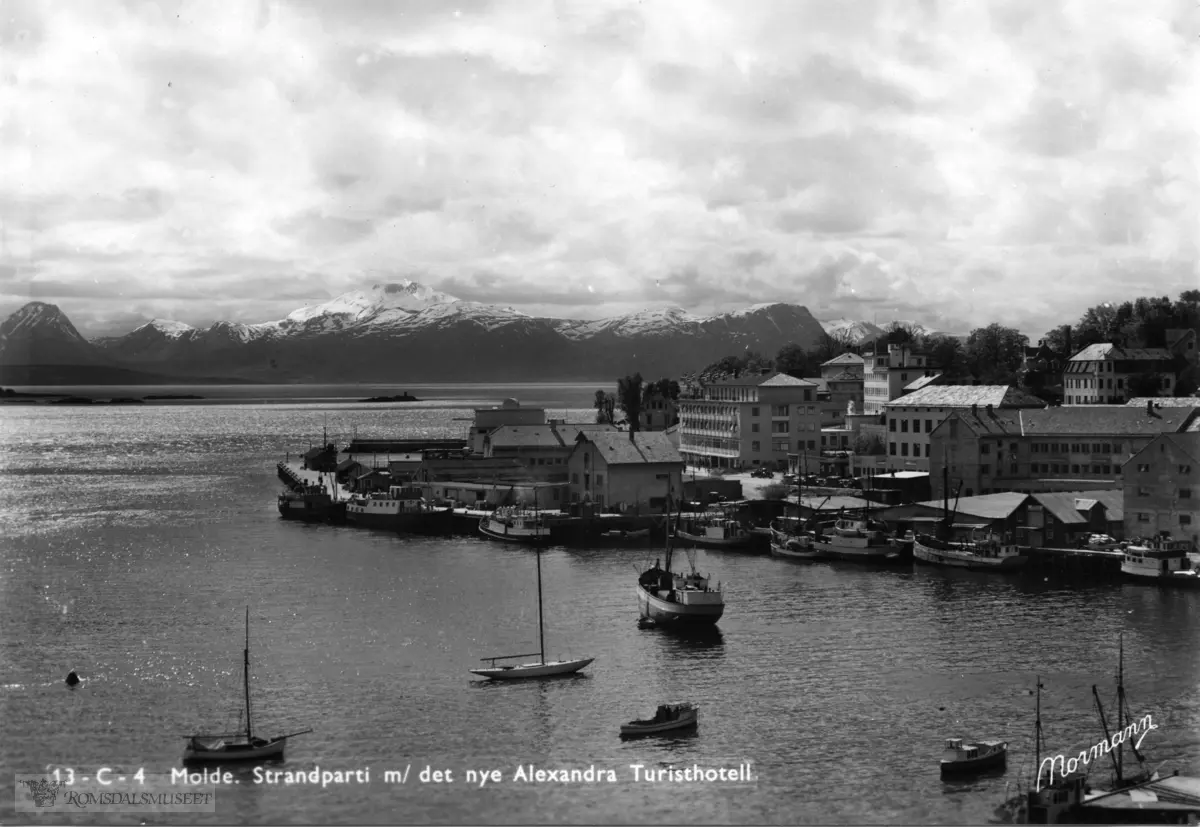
1150	407
974	409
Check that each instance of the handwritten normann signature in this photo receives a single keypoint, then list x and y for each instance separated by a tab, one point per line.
1066	767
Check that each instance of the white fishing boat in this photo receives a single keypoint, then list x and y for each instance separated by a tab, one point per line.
670	598
667	718
788	541
716	531
961	758
540	668
242	746
514	524
400	508
1162	562
859	539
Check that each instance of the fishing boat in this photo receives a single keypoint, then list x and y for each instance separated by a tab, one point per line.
400	508
1162	562
240	746
623	535
789	537
311	504
668	598
668	718
514	524
983	550
961	758
859	539
540	668
716	531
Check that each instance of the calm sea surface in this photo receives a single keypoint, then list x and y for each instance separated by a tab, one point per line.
133	538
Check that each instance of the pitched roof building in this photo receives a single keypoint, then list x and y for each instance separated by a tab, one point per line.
1100	374
1162	488
638	470
1051	449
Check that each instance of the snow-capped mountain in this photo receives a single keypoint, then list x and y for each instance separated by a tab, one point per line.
407	331
855	331
41	334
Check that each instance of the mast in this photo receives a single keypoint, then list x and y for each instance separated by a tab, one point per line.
537	543
1120	702
1037	734
246	674
1107	737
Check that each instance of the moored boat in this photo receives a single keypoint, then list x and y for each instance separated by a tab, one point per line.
400	508
671	598
716	531
988	552
311	504
1162	562
667	718
961	758
859	539
791	543
515	525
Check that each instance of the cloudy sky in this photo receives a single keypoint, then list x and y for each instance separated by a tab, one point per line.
955	163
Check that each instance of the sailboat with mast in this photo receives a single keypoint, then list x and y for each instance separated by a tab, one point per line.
790	538
516	524
987	552
676	599
240	746
1124	716
540	668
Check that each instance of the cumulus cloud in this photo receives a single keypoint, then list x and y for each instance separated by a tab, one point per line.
1008	161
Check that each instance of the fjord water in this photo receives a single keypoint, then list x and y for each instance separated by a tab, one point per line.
135	536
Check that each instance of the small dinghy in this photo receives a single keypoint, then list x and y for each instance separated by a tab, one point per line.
960	758
668	718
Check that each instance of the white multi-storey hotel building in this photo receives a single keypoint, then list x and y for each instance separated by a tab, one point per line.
752	420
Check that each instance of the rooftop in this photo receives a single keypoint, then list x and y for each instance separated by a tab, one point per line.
1071	506
987	506
1164	402
1083	420
845	359
559	435
917	384
964	396
1107	350
763	380
623	448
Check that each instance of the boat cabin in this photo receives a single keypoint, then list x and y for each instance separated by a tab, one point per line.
1164	558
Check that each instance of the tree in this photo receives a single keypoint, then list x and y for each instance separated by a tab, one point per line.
629	400
1190	296
946	353
1060	340
898	333
604	405
831	345
868	444
1098	324
793	361
995	353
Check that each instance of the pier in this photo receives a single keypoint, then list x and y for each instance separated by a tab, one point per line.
1076	563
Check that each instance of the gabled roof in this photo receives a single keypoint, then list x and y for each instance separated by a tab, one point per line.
770	380
559	435
618	448
1107	350
987	506
1071	507
964	396
1187	444
1075	420
845	376
846	359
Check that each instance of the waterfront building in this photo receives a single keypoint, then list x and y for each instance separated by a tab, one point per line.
543	449
752	420
885	373
911	418
659	411
508	412
321	459
1162	487
1099	374
623	470
1053	449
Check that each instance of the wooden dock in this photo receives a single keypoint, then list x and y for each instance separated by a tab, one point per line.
1077	563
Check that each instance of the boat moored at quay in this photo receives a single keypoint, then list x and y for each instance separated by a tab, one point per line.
514	524
311	504
716	531
1162	562
858	539
400	508
987	552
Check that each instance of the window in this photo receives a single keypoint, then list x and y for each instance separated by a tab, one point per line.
892	425
1183	469
754	411
985	469
1074	469
754	428
779	444
812	446
892	448
928	426
1185	519
779	410
1143	468
985	448
1185	493
903	449
904	377
754	446
599	479
970	492
780	427
926	449
1143	518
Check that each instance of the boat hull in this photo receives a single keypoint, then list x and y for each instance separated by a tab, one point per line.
728	544
858	554
802	553
528	538
955	558
1170	581
235	752
638	731
533	670
971	765
669	613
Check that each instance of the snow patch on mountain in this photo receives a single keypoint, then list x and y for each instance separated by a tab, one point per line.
657	321
168	328
405	296
42	319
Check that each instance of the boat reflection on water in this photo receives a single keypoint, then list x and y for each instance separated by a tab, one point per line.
686	639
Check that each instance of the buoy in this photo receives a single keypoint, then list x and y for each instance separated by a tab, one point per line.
72	678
